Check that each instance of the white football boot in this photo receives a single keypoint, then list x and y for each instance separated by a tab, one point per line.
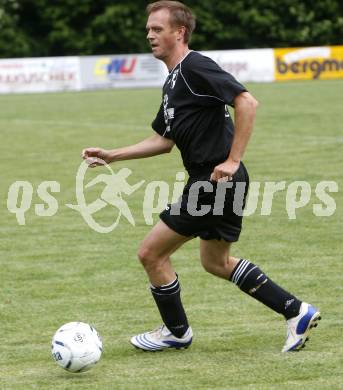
161	338
299	327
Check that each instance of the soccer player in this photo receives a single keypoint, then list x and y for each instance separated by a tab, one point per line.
193	116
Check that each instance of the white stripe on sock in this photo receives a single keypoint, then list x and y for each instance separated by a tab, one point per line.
165	286
156	293
169	286
240	271
237	270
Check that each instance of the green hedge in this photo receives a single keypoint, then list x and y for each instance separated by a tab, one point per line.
80	27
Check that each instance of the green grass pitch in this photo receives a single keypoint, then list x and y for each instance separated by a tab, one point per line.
56	269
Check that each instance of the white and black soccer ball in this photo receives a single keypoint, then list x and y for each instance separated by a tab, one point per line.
76	346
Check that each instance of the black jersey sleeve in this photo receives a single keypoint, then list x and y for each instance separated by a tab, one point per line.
205	77
159	125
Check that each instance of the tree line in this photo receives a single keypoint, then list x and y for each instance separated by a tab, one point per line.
35	28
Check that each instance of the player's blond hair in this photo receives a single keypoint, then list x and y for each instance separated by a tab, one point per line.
180	15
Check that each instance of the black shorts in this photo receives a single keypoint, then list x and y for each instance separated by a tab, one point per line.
224	207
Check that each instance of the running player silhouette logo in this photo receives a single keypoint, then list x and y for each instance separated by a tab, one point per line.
116	185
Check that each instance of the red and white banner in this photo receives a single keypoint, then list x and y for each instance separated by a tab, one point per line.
39	74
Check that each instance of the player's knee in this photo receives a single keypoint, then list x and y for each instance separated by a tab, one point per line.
144	255
147	257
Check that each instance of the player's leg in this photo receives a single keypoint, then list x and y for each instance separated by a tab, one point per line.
214	255
154	254
250	278
247	276
155	251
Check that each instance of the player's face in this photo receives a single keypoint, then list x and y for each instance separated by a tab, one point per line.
162	36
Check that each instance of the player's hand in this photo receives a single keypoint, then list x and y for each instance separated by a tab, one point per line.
96	157
224	171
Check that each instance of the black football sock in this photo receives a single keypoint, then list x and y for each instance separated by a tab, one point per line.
250	279
168	300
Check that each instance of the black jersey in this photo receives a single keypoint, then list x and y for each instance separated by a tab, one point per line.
194	112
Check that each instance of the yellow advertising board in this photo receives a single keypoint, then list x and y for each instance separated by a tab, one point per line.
310	63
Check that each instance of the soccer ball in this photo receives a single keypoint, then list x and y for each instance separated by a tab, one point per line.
76	346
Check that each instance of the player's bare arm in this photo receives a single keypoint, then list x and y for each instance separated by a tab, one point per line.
245	112
149	147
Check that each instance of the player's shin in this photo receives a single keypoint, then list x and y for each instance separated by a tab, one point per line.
250	279
168	300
